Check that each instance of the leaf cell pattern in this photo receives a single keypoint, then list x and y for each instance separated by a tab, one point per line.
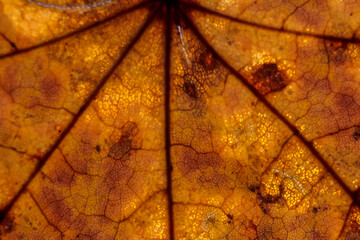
179	119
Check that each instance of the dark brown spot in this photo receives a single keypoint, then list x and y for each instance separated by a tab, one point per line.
314	210
190	89
120	149
268	79
230	216
269	198
129	129
337	51
97	148
8	225
253	188
356	134
208	60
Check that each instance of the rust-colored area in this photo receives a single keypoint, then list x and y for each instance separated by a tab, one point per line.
268	79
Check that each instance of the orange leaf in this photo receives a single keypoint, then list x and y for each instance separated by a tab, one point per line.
179	119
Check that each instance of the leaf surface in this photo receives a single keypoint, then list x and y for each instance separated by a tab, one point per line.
179	120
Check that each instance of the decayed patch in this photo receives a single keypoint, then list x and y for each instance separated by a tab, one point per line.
268	79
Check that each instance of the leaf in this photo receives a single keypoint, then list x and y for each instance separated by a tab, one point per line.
179	120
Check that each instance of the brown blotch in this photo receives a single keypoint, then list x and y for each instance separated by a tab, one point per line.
208	60
268	79
269	198
50	88
193	161
337	51
190	89
120	149
129	129
356	134
8	225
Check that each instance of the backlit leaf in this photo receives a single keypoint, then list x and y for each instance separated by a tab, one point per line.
179	119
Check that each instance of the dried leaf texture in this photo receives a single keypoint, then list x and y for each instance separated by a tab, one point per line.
179	119
239	172
25	23
42	90
324	18
111	163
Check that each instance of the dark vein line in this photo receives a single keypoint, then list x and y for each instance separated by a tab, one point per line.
345	221
46	218
262	98
87	103
12	44
266	27
167	120
78	31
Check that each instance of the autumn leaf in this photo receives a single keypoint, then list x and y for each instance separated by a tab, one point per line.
179	119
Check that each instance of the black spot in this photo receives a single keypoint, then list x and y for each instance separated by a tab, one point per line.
120	149
356	134
314	210
230	216
253	188
97	148
268	79
190	89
